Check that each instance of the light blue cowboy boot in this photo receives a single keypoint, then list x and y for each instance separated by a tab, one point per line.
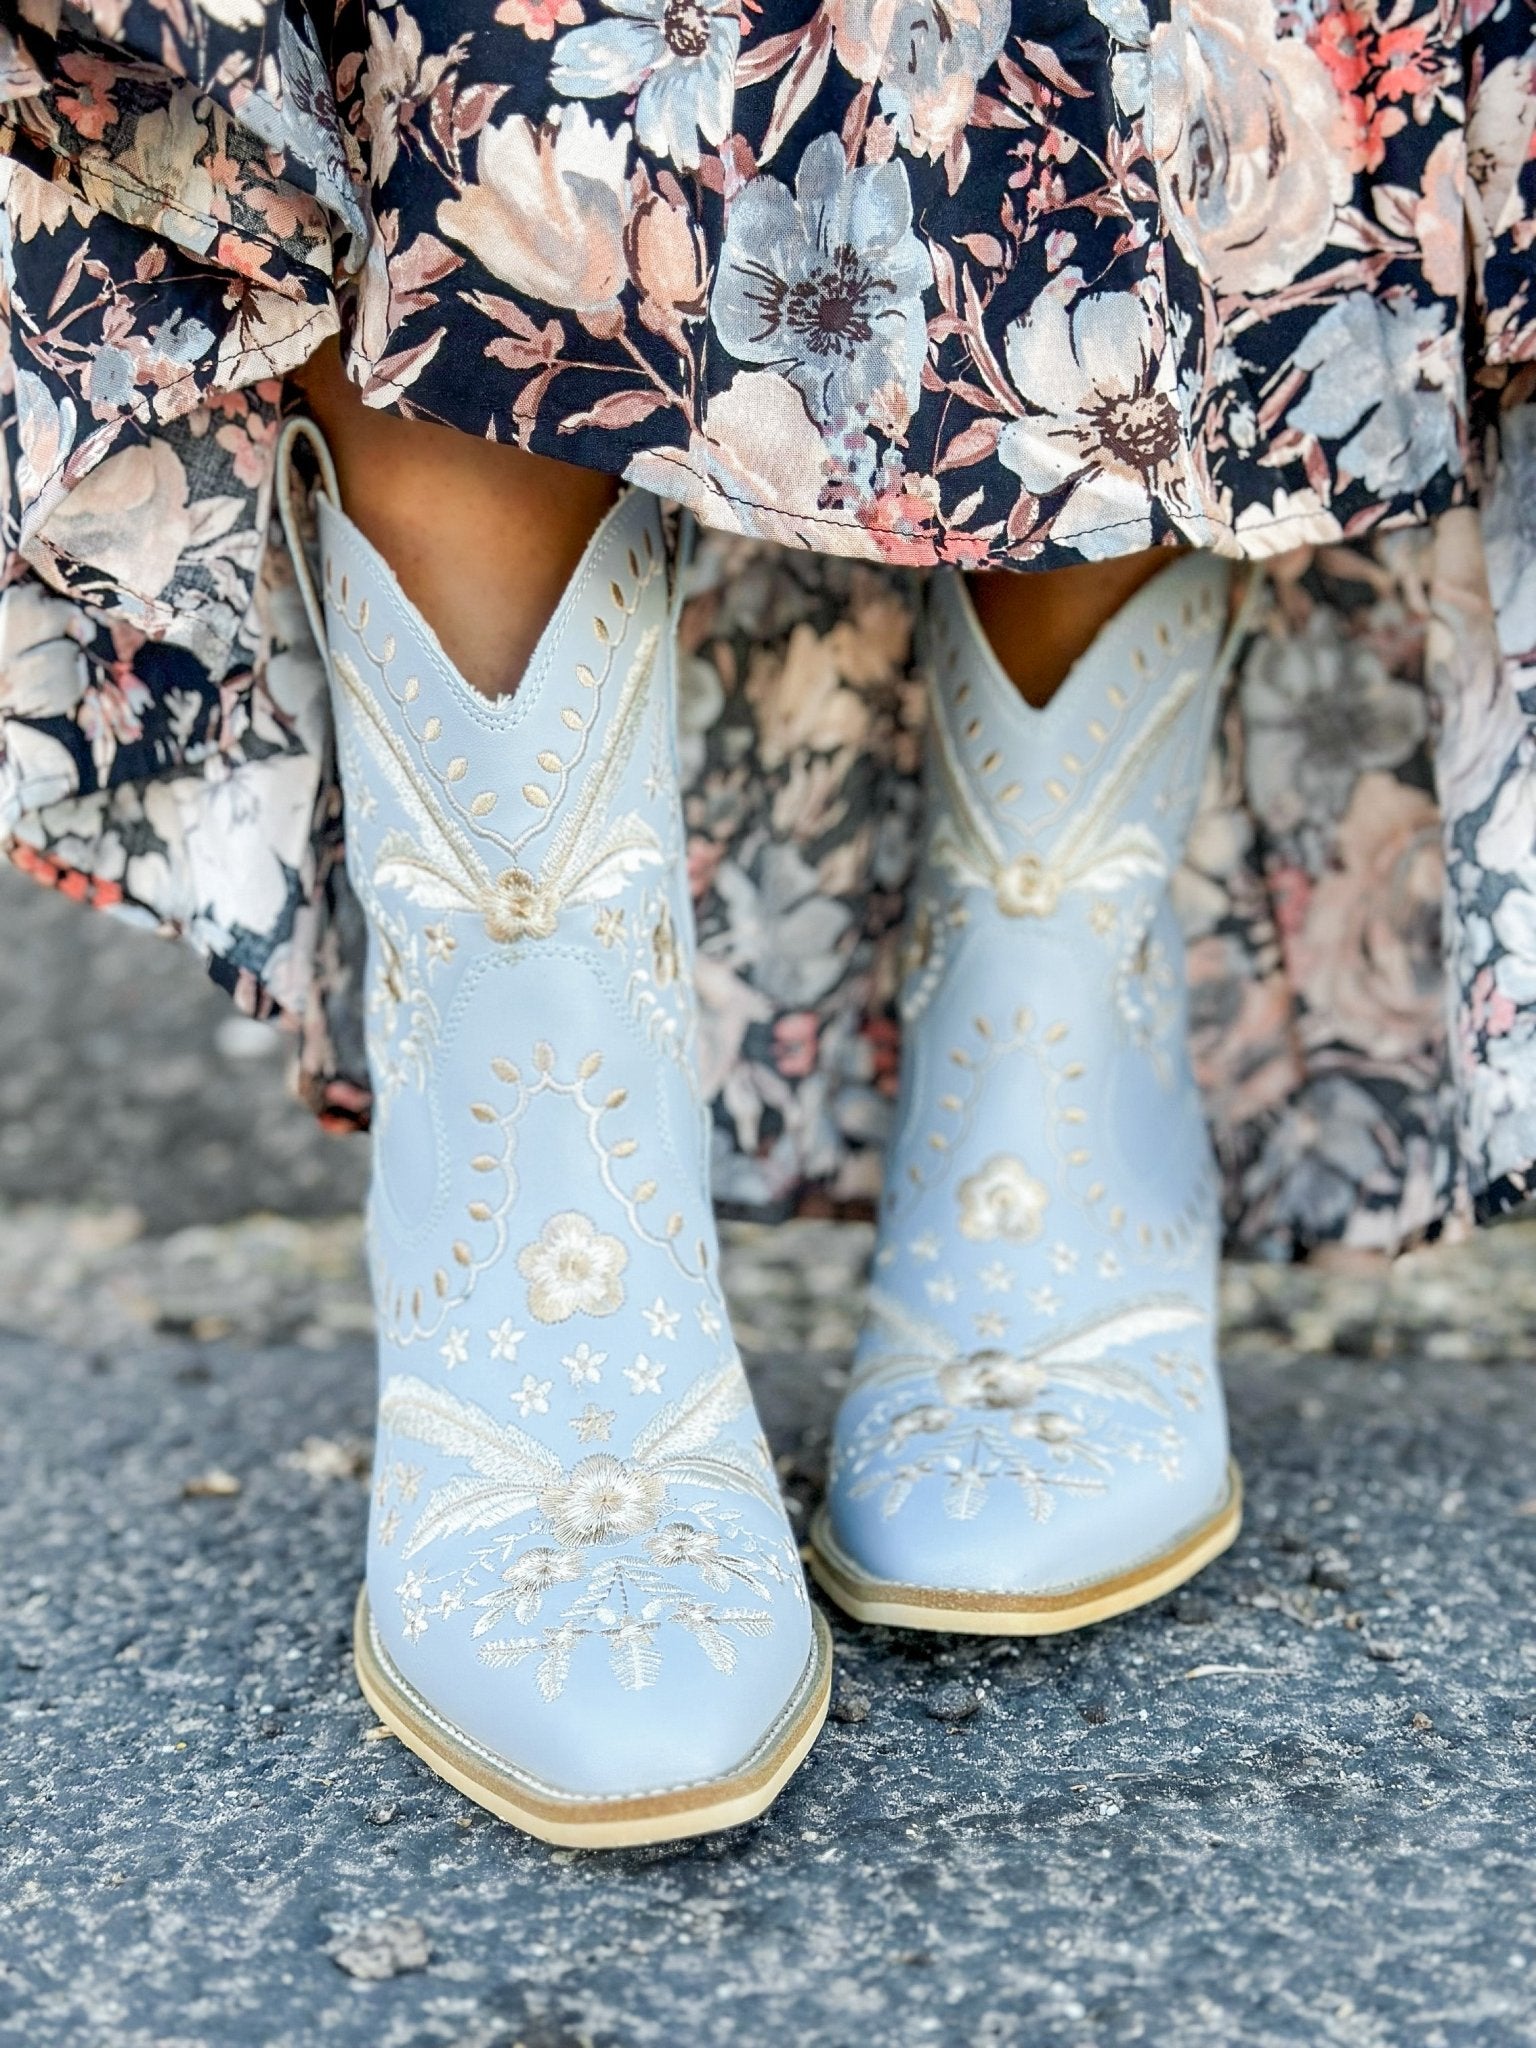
584	1604
1035	1435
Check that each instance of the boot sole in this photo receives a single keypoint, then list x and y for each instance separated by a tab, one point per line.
575	1821
962	1612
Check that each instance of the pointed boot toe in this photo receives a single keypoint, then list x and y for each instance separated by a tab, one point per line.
584	1604
1035	1435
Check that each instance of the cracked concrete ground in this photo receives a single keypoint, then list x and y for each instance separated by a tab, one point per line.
1291	1804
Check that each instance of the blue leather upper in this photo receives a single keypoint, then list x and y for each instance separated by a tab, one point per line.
1035	1404
578	1554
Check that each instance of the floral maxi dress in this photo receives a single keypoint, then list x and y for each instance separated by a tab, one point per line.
868	286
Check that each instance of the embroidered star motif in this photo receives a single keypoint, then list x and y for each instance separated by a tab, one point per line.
925	1247
1043	1300
440	942
454	1349
943	1288
989	1323
709	1321
660	1320
997	1278
584	1366
593	1424
1109	1266
532	1397
505	1340
1063	1258
609	926
644	1375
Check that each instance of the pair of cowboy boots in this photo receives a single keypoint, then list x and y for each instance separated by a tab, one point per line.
584	1603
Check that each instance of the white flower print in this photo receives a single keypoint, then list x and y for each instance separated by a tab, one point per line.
988	1323
454	1349
996	1278
1045	1301
676	57
660	1320
573	1268
1002	1199
708	1319
532	1397
1106	428
644	1375
505	1338
943	1288
1063	1258
826	284
584	1366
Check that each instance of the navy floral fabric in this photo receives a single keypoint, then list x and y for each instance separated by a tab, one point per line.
869	285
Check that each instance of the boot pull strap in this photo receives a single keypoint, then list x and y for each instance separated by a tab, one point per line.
301	428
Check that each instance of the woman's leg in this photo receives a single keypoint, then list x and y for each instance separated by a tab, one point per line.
483	537
1040	624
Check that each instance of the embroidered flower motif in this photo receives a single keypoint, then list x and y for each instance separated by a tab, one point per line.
593	1425
521	908
505	1339
676	57
532	1397
537	1572
660	1320
644	1375
602	1500
1108	430
454	1349
1002	1199
681	1543
1027	887
826	285
584	1365
573	1268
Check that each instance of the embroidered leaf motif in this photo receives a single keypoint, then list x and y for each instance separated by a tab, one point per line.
439	862
633	1656
696	1418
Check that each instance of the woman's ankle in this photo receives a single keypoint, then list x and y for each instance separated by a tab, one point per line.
483	537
